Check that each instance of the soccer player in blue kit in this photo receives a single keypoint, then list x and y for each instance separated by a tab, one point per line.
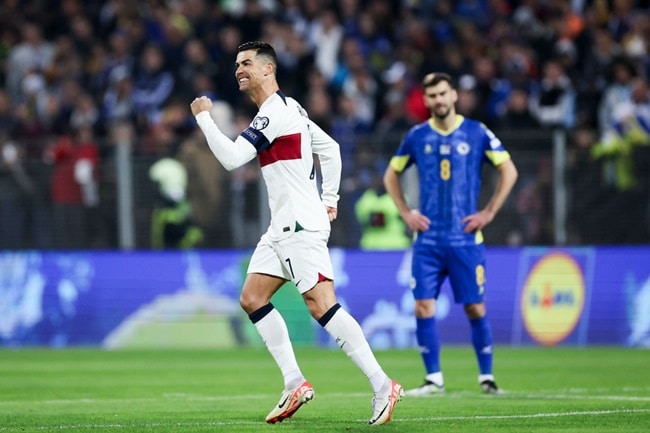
448	151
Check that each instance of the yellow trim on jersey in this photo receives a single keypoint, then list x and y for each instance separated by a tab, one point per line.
478	237
398	163
497	157
459	120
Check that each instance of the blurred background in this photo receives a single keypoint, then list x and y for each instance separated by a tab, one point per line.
116	221
99	149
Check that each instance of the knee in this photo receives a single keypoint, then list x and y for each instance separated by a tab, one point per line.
317	307
425	308
250	302
320	299
475	311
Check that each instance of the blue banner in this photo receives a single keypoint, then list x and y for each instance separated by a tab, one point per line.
534	296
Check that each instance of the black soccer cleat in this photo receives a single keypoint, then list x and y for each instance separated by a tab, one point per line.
489	387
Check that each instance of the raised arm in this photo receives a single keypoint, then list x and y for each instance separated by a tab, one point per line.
231	154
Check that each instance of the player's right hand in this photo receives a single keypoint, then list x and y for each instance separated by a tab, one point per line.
200	104
416	221
331	212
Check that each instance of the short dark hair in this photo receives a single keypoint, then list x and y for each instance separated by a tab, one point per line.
434	78
260	48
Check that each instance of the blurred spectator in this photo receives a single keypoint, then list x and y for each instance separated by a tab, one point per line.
196	63
620	18
636	42
629	129
250	19
153	85
319	100
467	103
603	53
229	39
325	36
117	103
74	189
169	28
374	44
382	227
362	88
15	187
518	115
442	22
172	225
294	58
414	106
31	55
394	120
82	33
491	90
452	61
120	56
618	90
553	101
348	128
85	113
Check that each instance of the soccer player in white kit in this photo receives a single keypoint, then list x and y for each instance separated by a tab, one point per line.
294	248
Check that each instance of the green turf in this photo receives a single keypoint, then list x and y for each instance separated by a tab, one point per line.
548	390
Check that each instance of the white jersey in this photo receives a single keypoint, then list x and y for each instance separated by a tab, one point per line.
285	140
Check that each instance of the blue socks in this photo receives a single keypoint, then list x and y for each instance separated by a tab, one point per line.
426	333
482	342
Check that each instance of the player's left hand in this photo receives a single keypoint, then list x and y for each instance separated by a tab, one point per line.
477	221
331	212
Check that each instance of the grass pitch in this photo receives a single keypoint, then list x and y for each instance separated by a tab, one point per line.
547	390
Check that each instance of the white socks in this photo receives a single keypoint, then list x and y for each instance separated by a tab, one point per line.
483	377
436	378
341	326
275	335
349	336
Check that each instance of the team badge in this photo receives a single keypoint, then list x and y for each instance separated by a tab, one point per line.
260	123
445	149
463	148
428	148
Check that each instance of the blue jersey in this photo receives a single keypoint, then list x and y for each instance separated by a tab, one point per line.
449	166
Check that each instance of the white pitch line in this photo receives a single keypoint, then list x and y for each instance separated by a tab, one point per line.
523	416
400	420
585	397
130	426
248	397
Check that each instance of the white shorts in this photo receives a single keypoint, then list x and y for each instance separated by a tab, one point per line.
302	258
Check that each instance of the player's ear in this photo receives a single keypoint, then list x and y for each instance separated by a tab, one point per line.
268	69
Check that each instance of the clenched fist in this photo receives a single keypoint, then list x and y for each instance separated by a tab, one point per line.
200	104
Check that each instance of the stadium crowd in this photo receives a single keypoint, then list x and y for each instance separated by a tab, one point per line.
73	72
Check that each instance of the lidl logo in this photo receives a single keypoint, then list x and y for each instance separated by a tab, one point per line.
553	298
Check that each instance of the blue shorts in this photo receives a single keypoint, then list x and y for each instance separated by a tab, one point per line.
465	267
